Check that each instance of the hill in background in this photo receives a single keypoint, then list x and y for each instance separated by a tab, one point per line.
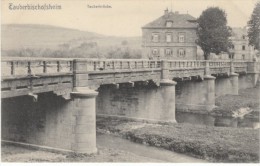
50	41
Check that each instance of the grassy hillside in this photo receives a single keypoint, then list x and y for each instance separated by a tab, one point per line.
35	40
15	36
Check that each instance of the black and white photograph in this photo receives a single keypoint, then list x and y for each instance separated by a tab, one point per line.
130	81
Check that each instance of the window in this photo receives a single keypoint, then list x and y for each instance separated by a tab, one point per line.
243	47
155	51
155	37
243	37
168	37
231	56
181	52
168	51
243	56
181	37
169	23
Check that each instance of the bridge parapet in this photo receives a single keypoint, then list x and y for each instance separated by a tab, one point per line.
119	64
186	64
186	68
30	74
253	67
26	67
240	66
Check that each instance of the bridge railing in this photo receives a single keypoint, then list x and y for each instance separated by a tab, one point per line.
22	67
219	64
121	64
253	67
181	64
239	64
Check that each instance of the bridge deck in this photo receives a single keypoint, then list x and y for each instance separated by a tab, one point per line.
21	76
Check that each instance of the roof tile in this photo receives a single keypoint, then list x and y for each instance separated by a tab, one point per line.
179	21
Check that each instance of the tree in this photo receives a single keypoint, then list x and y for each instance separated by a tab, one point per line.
254	27
213	32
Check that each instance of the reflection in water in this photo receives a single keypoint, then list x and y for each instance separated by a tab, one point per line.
209	120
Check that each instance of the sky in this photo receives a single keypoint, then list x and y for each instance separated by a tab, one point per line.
124	18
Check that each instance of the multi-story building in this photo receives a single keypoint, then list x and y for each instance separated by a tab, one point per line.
171	36
241	48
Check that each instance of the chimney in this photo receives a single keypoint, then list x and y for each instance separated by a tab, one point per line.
166	11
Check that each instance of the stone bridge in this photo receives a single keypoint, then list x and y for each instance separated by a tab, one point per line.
52	102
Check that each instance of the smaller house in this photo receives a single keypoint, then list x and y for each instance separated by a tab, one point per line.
241	50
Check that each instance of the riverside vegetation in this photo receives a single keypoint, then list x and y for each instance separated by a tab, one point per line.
215	144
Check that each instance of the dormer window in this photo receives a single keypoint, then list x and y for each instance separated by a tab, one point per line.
169	23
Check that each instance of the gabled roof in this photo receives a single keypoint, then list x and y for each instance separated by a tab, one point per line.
179	21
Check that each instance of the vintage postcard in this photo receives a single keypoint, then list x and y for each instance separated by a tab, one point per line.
130	81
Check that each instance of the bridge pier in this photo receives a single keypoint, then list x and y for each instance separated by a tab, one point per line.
248	80
234	83
210	97
85	113
196	95
227	85
168	95
52	122
145	102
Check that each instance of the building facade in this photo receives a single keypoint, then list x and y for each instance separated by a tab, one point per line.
241	50
171	36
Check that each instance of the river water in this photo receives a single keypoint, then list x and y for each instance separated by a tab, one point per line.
209	120
150	153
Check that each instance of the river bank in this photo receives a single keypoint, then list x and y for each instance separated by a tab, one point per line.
215	144
246	98
110	149
210	143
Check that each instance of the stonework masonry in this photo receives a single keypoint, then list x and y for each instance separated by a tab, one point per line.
196	95
150	103
63	115
50	121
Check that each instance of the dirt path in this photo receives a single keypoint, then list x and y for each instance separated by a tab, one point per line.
110	149
149	152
